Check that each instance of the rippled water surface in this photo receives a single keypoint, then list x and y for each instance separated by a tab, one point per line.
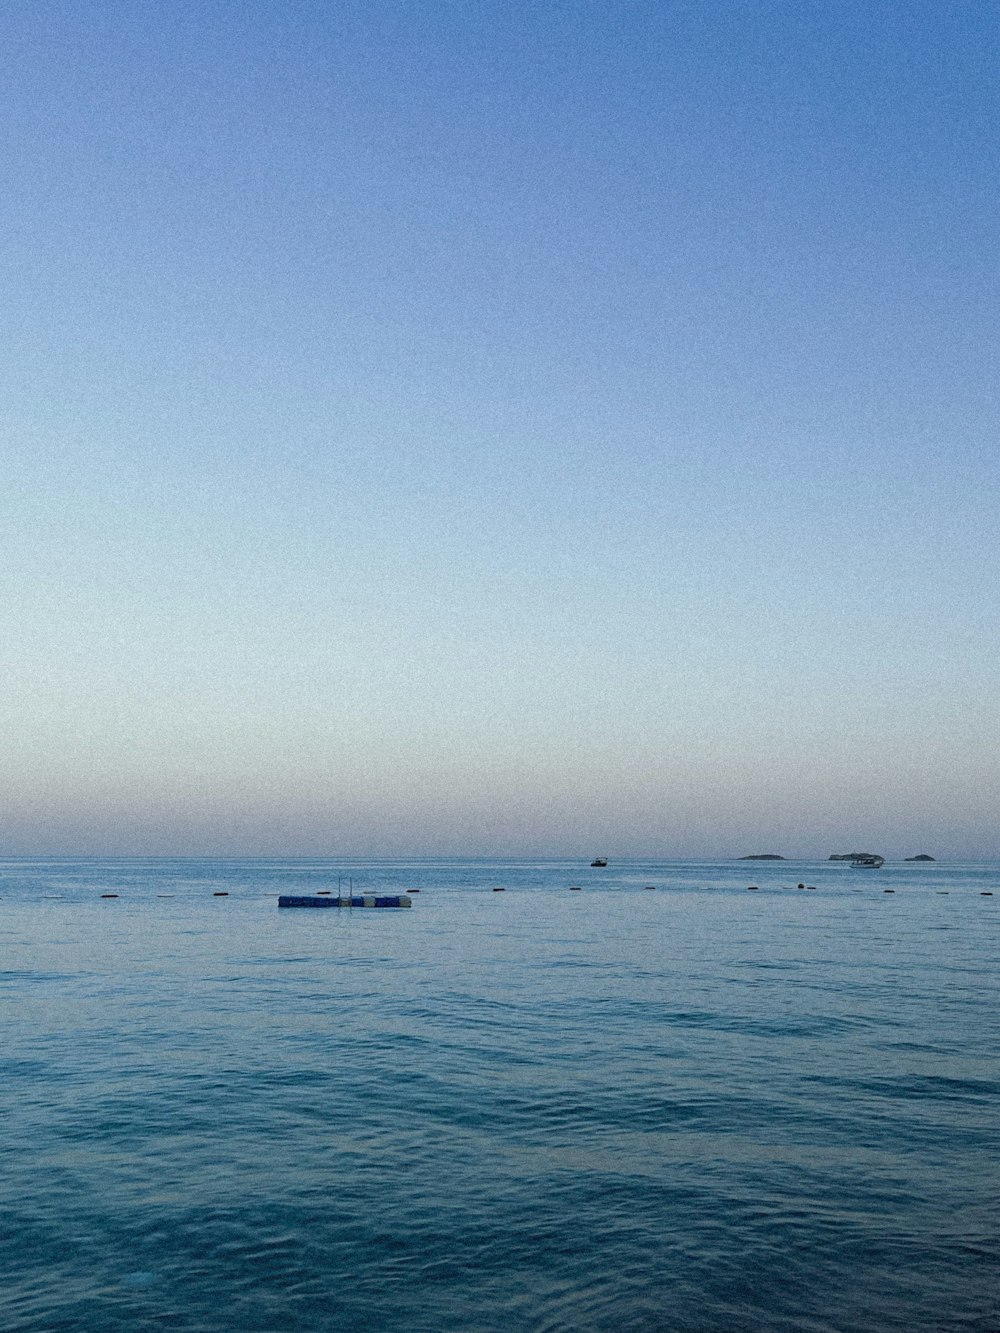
691	1109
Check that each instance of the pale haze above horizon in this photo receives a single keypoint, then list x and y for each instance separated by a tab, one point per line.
499	429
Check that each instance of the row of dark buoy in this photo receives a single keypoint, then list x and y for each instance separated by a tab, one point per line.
943	893
500	888
752	888
649	888
221	893
61	898
573	888
216	893
983	893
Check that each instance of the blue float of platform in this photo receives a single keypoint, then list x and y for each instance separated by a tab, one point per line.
365	900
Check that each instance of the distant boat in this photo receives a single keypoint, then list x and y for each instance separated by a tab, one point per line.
599	861
870	859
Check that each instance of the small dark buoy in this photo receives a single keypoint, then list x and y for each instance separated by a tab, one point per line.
109	895
800	886
223	893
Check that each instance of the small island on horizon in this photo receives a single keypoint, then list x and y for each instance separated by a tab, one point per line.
836	856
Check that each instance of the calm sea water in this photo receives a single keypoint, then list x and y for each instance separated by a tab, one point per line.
691	1109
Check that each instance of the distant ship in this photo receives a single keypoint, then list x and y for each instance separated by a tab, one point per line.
599	861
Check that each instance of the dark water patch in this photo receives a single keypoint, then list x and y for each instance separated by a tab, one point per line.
30	976
914	1087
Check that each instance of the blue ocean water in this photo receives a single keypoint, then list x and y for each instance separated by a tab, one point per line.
694	1109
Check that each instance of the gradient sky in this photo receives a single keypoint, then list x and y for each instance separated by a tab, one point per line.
490	428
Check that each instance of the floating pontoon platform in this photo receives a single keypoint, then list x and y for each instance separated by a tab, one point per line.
364	900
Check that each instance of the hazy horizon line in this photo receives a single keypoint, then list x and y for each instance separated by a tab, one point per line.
467	856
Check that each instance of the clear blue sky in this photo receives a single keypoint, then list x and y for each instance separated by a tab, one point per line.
499	428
